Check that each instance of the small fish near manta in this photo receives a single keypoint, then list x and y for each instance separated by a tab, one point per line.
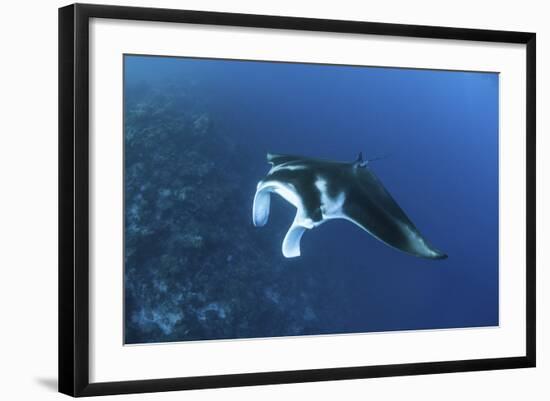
322	190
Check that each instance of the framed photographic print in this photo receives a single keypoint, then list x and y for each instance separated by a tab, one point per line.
249	199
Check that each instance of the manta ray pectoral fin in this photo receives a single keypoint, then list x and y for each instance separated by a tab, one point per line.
291	243
260	208
396	231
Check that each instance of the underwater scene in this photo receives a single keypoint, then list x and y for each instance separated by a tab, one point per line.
268	199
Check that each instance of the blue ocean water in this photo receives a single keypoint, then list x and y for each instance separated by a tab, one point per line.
196	135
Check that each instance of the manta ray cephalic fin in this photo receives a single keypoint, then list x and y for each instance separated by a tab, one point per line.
291	243
260	208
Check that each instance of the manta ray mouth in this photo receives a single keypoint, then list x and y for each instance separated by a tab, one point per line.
330	208
262	200
261	208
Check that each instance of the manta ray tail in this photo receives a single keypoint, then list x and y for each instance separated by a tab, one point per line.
360	162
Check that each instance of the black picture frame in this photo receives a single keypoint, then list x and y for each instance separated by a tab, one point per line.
74	198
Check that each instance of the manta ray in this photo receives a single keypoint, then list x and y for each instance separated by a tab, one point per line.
322	190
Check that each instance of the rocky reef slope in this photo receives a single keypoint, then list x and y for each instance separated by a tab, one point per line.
195	268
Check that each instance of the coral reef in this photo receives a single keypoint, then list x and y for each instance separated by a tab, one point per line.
195	268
